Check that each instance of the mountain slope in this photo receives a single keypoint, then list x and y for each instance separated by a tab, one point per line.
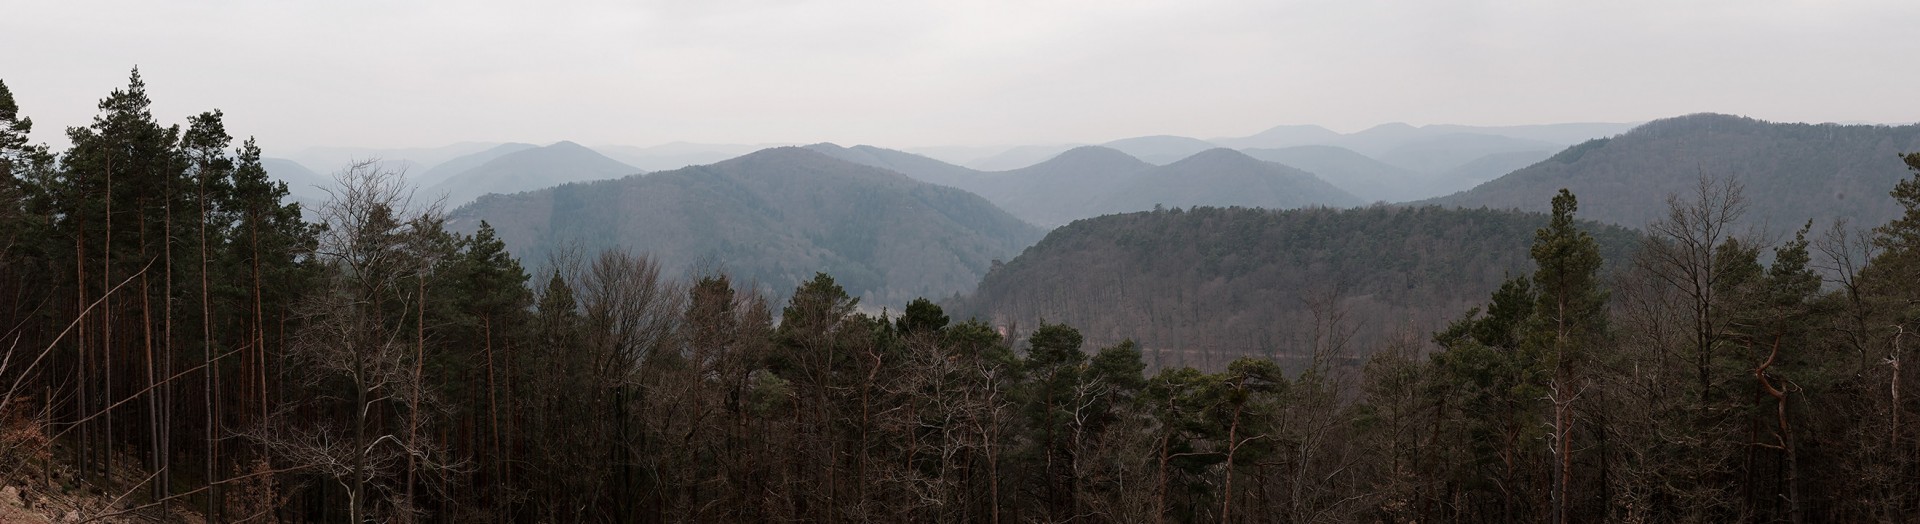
676	155
448	169
1160	149
1200	287
1480	170
918	167
1068	186
1224	177
1281	137
1019	157
1438	154
774	217
528	170
413	159
1369	179
1564	134
303	185
1792	172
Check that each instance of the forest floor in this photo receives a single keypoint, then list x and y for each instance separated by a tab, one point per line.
45	490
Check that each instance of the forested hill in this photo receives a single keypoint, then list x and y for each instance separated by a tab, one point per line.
1792	172
1090	181
1369	179
1063	188
1224	177
1202	286
774	217
915	166
527	170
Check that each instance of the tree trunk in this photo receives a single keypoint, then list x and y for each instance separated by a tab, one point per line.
1233	445
493	419
106	336
212	371
158	490
413	397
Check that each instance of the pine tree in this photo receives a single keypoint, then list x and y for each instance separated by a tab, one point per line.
1570	321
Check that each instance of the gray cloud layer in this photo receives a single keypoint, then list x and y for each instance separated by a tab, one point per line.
309	72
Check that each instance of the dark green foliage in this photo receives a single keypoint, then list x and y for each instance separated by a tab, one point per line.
1570	308
921	316
1898	241
1204	286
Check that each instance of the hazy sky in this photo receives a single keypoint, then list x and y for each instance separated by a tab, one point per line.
300	73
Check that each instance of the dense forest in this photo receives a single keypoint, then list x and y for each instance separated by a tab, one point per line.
1205	285
180	345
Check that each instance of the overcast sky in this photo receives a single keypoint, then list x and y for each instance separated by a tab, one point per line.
954	72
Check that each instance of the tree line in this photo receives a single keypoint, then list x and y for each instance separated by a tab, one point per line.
180	342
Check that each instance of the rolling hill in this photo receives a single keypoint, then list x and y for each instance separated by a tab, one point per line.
774	217
1791	172
1160	149
1282	136
413	160
527	170
676	155
1369	179
1202	286
1480	170
1069	186
1090	181
916	166
1223	177
1438	154
454	166
303	185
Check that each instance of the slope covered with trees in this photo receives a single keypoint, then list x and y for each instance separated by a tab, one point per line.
1792	172
774	218
1206	285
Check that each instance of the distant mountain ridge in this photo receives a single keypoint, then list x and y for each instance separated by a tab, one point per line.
1223	177
454	166
1365	177
676	155
1090	181
303	184
411	159
919	167
527	170
1069	186
773	217
1160	149
1791	172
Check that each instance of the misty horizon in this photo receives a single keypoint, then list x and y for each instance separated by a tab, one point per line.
920	76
